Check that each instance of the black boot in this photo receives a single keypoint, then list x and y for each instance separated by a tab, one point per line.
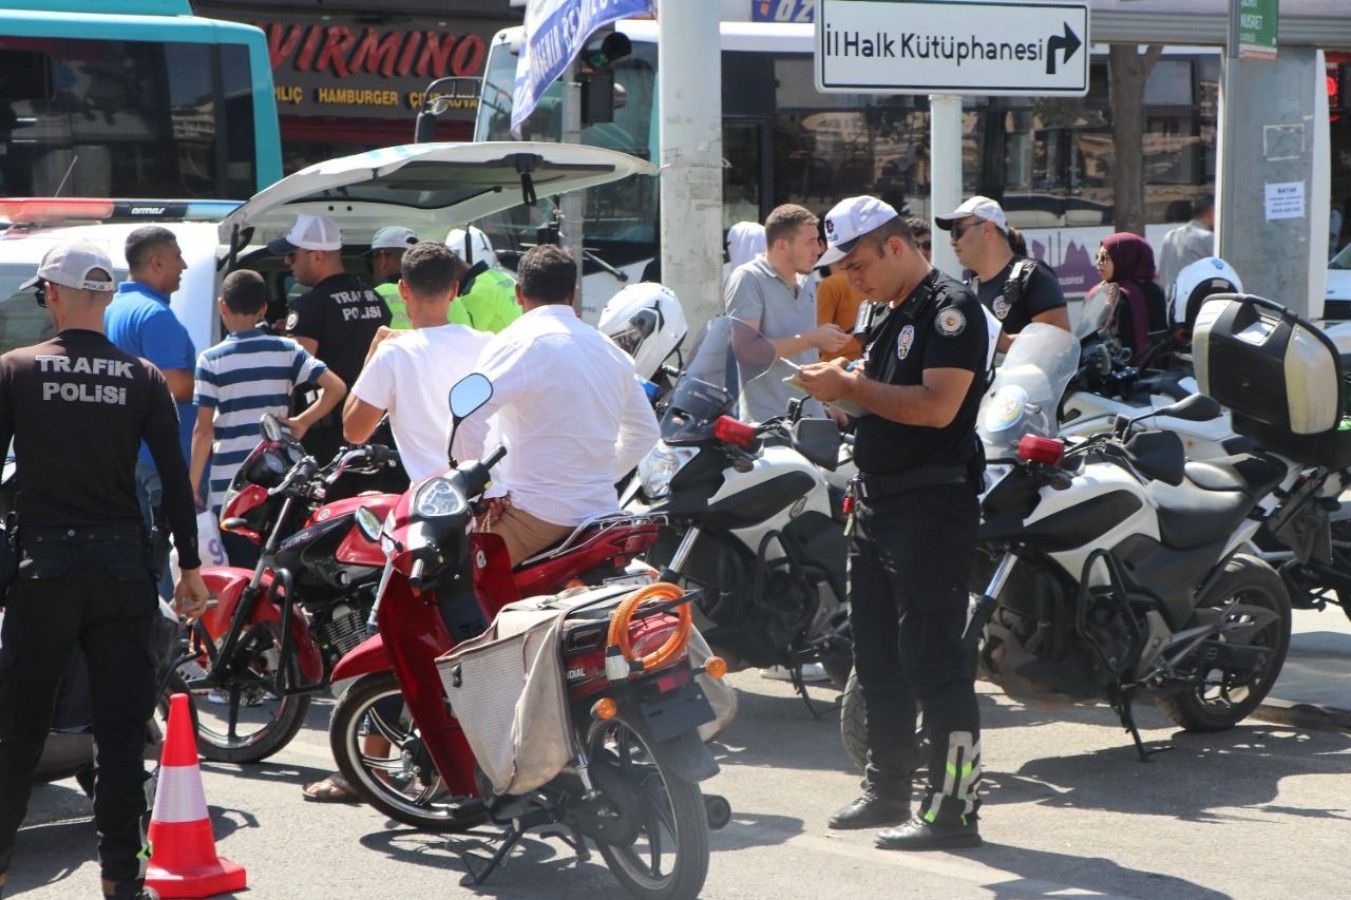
918	834
874	808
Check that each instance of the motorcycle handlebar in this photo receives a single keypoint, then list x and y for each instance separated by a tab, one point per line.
495	458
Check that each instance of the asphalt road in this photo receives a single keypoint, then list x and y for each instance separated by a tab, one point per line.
1260	811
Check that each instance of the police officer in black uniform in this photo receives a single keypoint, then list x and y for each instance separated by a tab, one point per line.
913	531
78	409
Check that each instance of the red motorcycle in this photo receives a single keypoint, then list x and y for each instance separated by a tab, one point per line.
274	634
633	787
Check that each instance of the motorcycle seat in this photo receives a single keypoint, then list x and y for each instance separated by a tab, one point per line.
1253	474
1191	516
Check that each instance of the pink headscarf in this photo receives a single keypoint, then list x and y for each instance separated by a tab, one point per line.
1132	263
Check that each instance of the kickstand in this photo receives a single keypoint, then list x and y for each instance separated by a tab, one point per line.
1123	710
508	837
795	676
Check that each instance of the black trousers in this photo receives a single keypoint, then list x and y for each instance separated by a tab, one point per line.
909	561
100	596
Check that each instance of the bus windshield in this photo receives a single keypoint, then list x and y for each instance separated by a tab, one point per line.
92	116
621	226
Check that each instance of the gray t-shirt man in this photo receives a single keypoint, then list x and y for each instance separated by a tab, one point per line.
1182	246
755	292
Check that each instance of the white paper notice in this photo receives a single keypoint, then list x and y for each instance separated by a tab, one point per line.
1285	200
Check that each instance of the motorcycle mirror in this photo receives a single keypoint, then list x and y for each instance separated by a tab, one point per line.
270	427
368	523
1195	408
466	397
818	440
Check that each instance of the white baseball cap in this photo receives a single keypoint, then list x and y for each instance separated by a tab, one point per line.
849	220
310	232
394	237
69	265
981	208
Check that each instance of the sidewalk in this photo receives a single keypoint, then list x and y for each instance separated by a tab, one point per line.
1314	688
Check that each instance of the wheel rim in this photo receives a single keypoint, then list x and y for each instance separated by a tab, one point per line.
1223	688
245	711
399	771
651	860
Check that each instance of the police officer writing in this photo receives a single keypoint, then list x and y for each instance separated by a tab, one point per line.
913	527
78	408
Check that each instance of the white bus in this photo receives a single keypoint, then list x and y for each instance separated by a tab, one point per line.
1048	159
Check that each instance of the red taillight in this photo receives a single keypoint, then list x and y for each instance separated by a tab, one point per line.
731	431
1040	449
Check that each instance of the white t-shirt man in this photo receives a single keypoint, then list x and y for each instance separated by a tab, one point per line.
410	376
568	406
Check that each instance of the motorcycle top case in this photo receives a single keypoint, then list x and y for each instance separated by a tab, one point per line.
1278	374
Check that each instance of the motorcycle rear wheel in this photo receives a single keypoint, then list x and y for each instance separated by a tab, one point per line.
669	858
244	721
399	778
1228	695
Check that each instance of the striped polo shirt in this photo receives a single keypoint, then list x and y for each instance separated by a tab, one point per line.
248	374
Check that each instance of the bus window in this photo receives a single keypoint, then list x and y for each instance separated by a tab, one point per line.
129	119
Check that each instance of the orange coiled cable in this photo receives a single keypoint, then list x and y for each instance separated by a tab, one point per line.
619	625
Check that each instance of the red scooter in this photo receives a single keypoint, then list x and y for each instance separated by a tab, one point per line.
632	789
276	631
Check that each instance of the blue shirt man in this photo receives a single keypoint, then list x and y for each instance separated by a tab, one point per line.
140	322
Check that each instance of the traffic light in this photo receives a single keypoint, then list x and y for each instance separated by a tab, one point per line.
602	50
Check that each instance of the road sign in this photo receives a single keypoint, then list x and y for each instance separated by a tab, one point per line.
952	47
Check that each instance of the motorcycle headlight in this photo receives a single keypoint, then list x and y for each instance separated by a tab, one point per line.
437	498
661	465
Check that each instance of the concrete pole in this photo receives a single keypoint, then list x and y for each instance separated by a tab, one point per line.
1226	177
945	167
690	100
573	203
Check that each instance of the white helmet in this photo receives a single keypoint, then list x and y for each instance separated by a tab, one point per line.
647	322
1196	282
476	247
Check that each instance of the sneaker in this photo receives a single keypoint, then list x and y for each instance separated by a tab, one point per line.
872	810
918	834
222	698
812	673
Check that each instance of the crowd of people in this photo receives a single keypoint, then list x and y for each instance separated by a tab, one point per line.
83	565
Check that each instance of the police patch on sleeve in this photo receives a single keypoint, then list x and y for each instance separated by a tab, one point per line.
904	341
950	322
291	321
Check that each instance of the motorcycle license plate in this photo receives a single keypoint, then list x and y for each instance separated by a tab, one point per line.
677	711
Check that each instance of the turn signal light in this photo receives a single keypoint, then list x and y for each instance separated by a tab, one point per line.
605	709
734	432
1040	449
716	667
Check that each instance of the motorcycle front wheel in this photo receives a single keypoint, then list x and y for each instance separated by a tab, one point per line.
1247	588
668	860
380	753
243	720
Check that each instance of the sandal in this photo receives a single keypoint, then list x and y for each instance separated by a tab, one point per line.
333	789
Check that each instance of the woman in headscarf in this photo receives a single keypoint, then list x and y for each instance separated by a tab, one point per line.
1137	306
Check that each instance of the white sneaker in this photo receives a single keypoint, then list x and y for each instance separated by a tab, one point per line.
812	673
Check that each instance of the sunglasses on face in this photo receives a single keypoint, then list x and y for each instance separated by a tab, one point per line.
962	228
40	294
1101	259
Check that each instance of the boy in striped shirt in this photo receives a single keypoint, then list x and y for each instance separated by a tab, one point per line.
248	374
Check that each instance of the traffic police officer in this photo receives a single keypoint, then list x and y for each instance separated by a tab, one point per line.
913	533
78	409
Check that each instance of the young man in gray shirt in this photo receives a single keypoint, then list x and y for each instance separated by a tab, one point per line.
775	294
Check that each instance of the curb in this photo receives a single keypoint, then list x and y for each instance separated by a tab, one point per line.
1304	715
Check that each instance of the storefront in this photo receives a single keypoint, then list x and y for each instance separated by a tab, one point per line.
349	81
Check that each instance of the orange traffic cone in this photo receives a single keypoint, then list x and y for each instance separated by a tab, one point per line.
183	861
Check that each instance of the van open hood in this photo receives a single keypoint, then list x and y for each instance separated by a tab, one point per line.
429	188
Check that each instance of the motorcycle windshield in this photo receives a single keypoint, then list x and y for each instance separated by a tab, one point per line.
732	355
1027	389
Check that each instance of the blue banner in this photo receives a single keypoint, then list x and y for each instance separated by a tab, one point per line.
555	32
783	10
